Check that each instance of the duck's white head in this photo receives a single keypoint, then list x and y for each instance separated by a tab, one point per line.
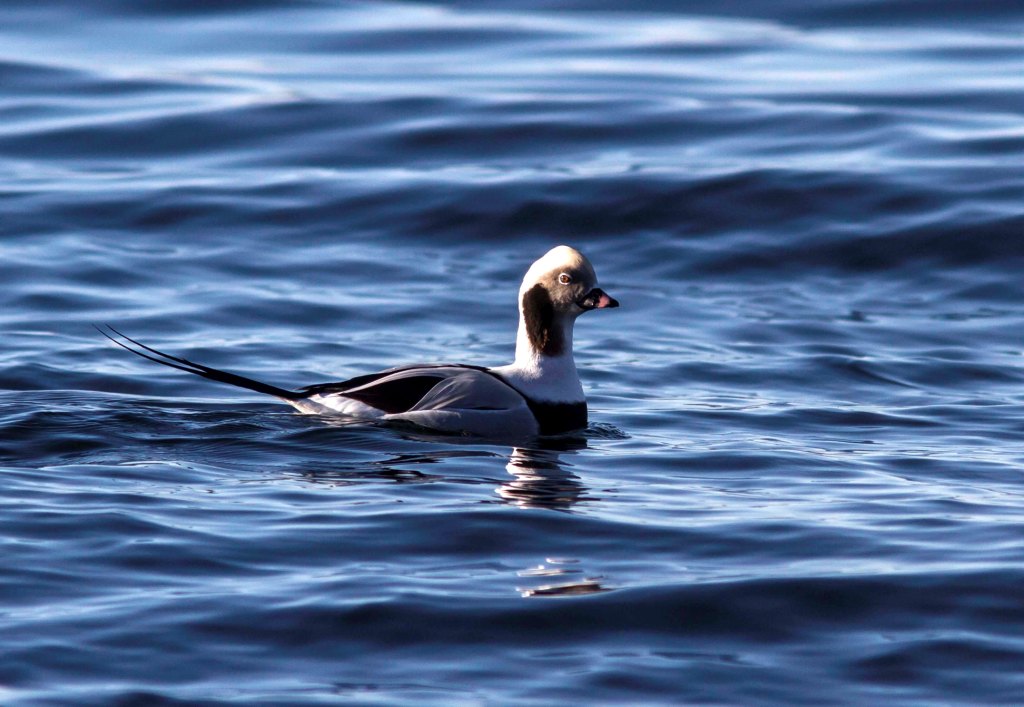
557	288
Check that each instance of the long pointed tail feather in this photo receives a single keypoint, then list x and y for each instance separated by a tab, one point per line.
183	364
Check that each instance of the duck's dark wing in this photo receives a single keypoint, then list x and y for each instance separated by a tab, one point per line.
418	387
464	400
391	391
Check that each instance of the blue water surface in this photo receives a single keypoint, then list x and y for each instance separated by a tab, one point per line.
803	480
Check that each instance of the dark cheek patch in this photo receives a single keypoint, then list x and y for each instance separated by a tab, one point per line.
539	313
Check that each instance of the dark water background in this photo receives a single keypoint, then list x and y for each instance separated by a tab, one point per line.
803	478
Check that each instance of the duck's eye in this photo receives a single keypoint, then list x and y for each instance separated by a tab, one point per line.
565	278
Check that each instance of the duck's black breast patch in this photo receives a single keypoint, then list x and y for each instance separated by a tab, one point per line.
556	418
539	314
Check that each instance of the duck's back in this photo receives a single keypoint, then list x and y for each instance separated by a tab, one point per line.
444	397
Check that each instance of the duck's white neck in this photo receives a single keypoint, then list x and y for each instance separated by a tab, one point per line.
527	354
551	378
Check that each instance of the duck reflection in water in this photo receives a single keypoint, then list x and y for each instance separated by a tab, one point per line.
541	480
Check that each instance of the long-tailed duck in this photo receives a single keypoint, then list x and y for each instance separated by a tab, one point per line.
537	394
